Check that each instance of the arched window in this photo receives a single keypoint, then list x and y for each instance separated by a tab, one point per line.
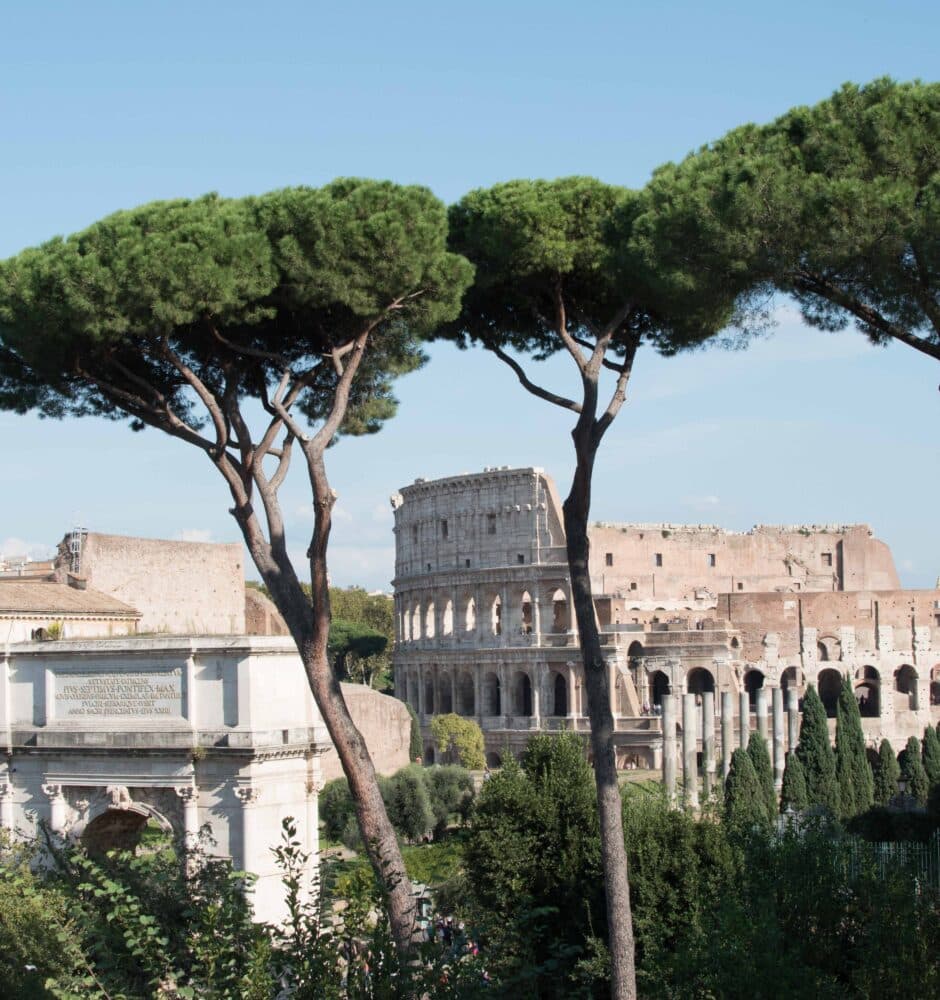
496	616
444	695
660	686
522	694
561	620
429	696
905	684
470	616
429	623
493	759
753	682
699	681
492	695
830	684
791	677
447	620
466	696
416	622
526	613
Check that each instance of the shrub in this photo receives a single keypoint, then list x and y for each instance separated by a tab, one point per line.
336	809
463	738
408	802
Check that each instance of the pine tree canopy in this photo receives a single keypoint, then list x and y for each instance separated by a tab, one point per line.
760	759
816	756
793	793
853	772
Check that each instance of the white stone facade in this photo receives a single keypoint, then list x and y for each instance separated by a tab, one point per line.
101	736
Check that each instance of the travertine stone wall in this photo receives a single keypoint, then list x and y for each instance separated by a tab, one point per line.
686	562
181	588
385	726
261	615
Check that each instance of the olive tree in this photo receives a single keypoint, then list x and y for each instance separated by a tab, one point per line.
590	271
255	330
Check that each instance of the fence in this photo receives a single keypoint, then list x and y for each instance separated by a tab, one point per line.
923	859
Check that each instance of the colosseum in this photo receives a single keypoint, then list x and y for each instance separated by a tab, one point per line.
486	626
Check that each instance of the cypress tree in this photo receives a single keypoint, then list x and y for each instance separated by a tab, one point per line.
793	793
760	760
931	753
745	804
886	775
853	772
912	771
816	756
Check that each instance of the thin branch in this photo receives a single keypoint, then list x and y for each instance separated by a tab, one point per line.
536	390
208	398
250	352
561	328
620	389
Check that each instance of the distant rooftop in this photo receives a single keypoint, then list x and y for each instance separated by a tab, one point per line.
31	596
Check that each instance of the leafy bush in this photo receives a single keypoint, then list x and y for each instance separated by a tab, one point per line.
336	809
408	802
463	738
451	791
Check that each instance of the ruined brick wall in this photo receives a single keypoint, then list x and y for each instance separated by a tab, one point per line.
866	611
385	726
261	615
686	562
180	588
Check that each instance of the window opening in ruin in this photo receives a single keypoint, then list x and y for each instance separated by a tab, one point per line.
740	586
711	559
660	686
447	621
429	697
429	567
526	613
470	616
465	695
466	563
559	612
753	682
444	527
827	558
492	696
520	558
416	622
445	697
659	558
117	830
560	696
497	616
790	678
414	532
523	702
609	559
633	585
905	684
830	684
491	524
699	681
868	693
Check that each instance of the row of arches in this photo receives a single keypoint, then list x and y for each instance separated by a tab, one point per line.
512	695
866	684
487	613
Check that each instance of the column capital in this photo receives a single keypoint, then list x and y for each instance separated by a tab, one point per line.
53	791
247	794
315	785
188	793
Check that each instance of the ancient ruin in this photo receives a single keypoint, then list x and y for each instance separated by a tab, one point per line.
729	622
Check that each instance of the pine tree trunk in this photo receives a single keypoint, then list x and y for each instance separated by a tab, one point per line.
613	852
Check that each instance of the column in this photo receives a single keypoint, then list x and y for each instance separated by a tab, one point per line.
56	807
313	787
727	732
452	680
793	718
536	614
478	692
690	750
669	746
744	710
572	693
612	689
189	796
246	795
6	806
708	740
536	695
779	759
762	713
422	707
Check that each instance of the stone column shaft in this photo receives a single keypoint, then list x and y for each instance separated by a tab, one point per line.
779	759
708	740
690	750
762	713
744	710
669	746
793	718
6	806
727	732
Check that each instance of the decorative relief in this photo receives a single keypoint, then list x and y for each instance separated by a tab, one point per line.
247	794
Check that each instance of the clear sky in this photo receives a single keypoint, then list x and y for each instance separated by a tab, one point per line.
107	105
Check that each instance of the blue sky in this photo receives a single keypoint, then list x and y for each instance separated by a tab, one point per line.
106	105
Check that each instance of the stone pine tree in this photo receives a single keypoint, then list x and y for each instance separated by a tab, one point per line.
583	269
745	806
931	755
912	771
793	793
256	331
887	773
837	205
816	756
760	759
853	772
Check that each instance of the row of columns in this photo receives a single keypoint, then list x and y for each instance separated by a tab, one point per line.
698	720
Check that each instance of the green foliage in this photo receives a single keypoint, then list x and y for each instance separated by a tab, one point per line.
885	824
745	807
886	774
836	204
853	772
793	793
912	771
451	791
931	754
415	745
409	803
336	808
760	759
458	737
679	869
532	863
816	756
375	612
350	645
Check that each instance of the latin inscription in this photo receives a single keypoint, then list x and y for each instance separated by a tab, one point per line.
113	693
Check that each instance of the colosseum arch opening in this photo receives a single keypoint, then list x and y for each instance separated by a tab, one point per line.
559	694
522	694
700	681
466	697
868	692
905	686
830	684
492	695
